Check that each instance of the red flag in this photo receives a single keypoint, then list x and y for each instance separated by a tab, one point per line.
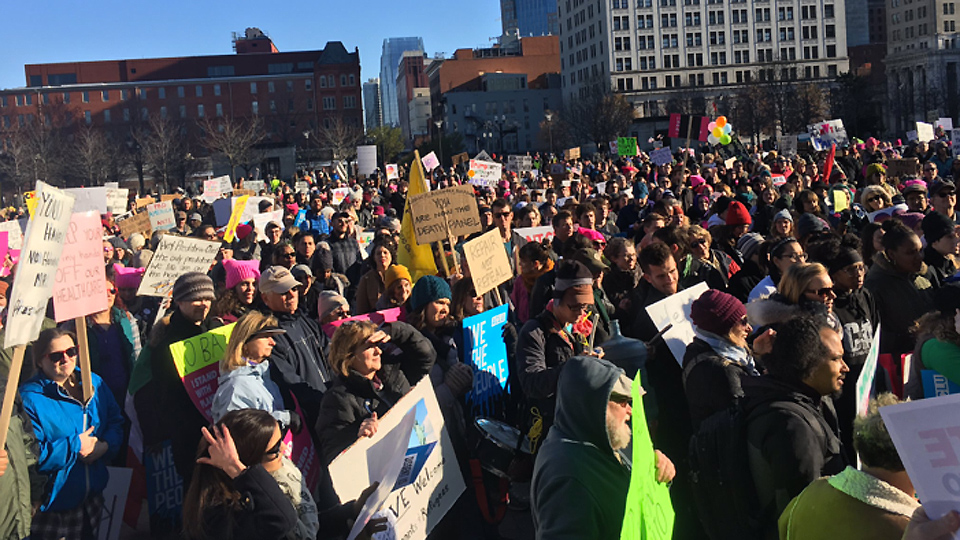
828	163
674	130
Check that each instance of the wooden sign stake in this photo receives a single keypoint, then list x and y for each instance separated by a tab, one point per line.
84	346
10	393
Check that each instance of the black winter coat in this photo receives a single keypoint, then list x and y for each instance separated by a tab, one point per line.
541	353
711	383
901	300
749	276
347	257
265	513
298	362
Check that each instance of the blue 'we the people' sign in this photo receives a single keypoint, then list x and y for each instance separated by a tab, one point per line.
486	352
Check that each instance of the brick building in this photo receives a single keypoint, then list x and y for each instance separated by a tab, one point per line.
297	95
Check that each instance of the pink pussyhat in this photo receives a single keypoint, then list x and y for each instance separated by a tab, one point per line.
128	278
238	271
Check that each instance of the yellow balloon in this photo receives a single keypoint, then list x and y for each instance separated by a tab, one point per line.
721	121
717	132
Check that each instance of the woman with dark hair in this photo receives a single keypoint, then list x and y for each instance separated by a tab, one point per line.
782	254
240	293
383	253
902	285
76	440
871	242
808	202
535	261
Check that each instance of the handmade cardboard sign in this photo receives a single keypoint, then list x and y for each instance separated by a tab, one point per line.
488	261
176	256
80	286
675	310
442	213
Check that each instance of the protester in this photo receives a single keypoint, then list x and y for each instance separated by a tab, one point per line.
398	284
782	254
240	292
383	253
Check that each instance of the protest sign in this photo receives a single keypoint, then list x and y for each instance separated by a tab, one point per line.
936	385
301	187
170	197
242	192
113	185
176	256
339	194
627	146
924	132
222	210
440	214
161	216
239	205
91	198
164	486
117	200
392	171
253	185
252	207
142	202
841	200
955	142
675	310
788	145
376	317
912	135
114	502
945	124
926	434
462	157
429	481
519	164
198	362
4	251
536	234
30	199
215	188
482	156
36	274
430	161
558	169
365	239
484	173
648	514
80	286
867	374
661	156
488	261
898	168
136	223
300	218
571	153
366	160
14	233
260	222
828	132
882	215
485	351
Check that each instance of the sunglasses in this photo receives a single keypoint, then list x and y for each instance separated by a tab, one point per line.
111	291
874	198
623	401
290	255
502	215
826	291
699	242
58	356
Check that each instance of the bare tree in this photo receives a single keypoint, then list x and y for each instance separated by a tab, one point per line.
235	139
811	105
340	136
601	116
90	154
165	149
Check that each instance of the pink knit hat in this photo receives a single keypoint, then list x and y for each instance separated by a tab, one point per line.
593	235
238	271
128	278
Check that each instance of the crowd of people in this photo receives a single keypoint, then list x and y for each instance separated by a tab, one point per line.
803	260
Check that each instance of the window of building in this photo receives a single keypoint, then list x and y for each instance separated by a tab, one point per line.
220	71
85	98
832	71
163	112
124	95
126	115
349	102
832	52
329	103
162	93
29	99
286	67
180	92
270	87
331	81
87	118
66	97
289	86
106	116
199	91
253	88
200	111
6	121
308	85
255	107
828	11
343	80
183	111
808	12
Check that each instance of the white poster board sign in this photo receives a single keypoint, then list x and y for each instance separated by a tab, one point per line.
90	198
945	123
36	272
161	216
675	310
924	132
176	256
867	374
430	161
484	173
392	171
519	164
661	156
214	188
367	159
14	233
827	132
536	234
260	222
114	502
255	185
788	145
117	200
430	480
927	436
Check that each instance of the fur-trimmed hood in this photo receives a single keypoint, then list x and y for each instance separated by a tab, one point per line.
769	310
873	491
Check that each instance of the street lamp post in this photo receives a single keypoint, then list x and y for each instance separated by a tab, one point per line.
439	123
549	117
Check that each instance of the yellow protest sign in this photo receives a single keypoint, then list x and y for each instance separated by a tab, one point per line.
238	207
198	352
30	198
840	200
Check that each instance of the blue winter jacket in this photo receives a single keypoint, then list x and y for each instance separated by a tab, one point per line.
58	420
249	387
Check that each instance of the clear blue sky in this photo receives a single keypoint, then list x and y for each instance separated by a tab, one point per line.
70	31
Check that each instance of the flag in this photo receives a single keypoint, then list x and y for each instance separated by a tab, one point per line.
341	171
828	163
418	259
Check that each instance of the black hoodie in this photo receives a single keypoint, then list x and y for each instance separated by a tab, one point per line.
579	487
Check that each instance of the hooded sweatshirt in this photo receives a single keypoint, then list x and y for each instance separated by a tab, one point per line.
579	487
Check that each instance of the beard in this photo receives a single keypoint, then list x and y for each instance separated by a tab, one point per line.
618	433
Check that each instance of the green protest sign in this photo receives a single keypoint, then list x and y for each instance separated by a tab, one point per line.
627	146
649	512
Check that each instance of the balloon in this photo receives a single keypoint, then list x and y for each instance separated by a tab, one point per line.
717	132
721	121
711	125
725	139
727	129
713	140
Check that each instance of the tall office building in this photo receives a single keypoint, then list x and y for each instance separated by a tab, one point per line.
529	17
372	111
655	50
393	49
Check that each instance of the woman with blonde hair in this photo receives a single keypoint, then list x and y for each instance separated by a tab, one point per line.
805	288
875	198
245	381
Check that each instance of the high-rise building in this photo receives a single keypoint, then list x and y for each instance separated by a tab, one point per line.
655	50
393	49
413	96
529	17
372	111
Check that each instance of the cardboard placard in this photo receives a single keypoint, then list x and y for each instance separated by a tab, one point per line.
161	216
136	223
176	256
925	132
675	310
80	286
462	157
442	213
519	164
242	192
144	201
366	160
661	156
429	481
430	161
484	173
36	274
488	261
114	502
253	185
197	360
899	168
571	153
117	200
170	197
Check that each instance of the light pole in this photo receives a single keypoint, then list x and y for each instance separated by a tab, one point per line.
549	116
439	123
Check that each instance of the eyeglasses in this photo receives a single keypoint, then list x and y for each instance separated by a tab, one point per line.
578	308
58	356
698	242
623	401
502	215
826	291
111	290
288	255
856	269
874	198
795	257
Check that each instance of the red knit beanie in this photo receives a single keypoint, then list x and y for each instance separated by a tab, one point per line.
717	312
737	214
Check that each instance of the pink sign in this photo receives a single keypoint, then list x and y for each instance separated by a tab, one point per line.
302	453
377	317
80	286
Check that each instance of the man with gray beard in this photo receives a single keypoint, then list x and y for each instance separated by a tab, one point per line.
582	473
